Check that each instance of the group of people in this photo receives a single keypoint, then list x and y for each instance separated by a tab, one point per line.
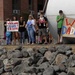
36	31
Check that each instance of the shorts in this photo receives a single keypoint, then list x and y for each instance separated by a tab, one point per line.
42	32
59	31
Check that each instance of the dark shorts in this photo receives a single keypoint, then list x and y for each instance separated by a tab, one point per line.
42	32
59	31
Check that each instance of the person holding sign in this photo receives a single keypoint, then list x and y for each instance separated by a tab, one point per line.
15	33
59	19
22	30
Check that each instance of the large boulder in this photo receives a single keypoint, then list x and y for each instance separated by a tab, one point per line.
49	71
60	58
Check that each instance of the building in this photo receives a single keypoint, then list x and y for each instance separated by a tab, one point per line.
8	8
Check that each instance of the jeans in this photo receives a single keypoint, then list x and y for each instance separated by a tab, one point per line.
22	37
8	40
31	35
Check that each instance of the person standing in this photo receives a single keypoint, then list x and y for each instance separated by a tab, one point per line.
15	34
30	30
59	19
22	30
42	27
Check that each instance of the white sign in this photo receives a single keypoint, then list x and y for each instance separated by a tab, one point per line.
12	26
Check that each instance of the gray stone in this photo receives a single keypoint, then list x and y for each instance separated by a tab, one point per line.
56	68
18	69
72	69
2	51
25	54
68	52
52	49
7	73
49	71
70	73
1	70
23	74
62	68
2	57
1	64
14	54
44	65
42	50
60	58
41	60
48	55
30	51
19	48
63	73
15	61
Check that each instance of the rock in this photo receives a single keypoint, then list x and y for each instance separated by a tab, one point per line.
49	71
25	54
2	57
7	73
52	49
72	70
41	60
70	73
1	64
14	54
7	65
30	51
43	50
68	52
48	55
15	61
56	68
2	51
63	73
1	70
18	69
44	65
19	48
23	74
62	68
60	58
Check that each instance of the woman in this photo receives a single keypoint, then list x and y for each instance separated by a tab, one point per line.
30	30
15	34
22	30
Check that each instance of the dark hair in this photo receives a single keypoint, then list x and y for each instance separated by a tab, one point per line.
60	11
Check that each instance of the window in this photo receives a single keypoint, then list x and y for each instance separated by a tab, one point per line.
30	4
16	6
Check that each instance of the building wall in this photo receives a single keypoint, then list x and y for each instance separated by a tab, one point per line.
7	9
1	10
24	6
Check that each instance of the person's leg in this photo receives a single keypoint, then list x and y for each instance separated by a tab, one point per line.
7	40
59	34
20	37
29	36
44	33
23	37
40	36
32	35
14	37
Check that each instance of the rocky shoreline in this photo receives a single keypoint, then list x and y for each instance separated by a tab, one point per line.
59	60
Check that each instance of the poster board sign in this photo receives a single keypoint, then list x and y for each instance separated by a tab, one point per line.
12	26
68	29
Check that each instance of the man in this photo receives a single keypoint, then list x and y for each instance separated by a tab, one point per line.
59	19
42	25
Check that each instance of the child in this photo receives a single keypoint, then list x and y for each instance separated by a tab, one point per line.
8	38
